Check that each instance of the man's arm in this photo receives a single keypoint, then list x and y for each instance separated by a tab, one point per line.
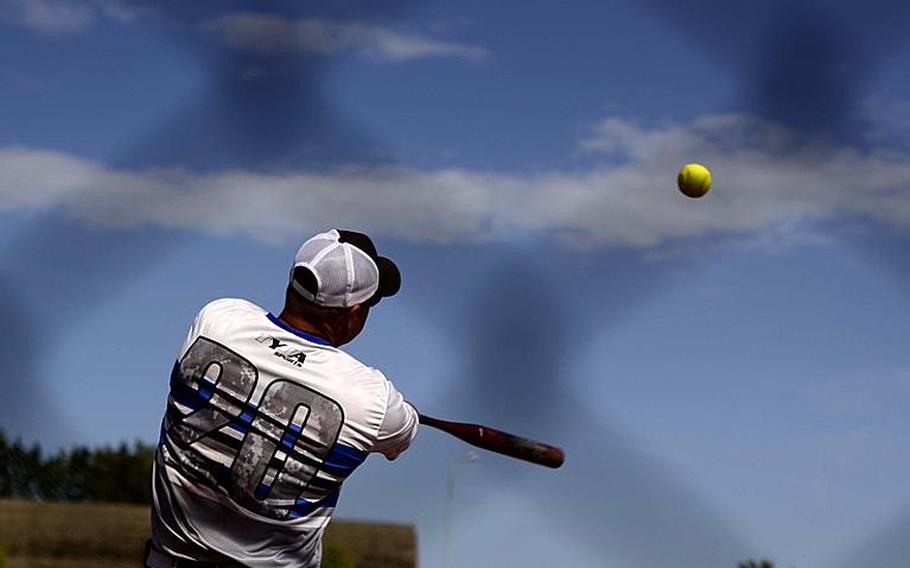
399	425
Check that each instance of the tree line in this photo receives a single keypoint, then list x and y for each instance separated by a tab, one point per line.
115	474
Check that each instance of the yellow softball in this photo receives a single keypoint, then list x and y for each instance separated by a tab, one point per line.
694	180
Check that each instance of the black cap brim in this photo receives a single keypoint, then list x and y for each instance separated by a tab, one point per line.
389	277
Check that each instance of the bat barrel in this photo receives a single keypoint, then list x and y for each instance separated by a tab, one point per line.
500	442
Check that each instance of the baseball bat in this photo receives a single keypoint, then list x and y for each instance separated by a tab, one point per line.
500	442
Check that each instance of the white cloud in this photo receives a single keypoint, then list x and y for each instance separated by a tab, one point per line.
267	34
60	17
123	11
763	192
48	16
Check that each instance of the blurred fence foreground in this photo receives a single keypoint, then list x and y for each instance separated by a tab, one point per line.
70	535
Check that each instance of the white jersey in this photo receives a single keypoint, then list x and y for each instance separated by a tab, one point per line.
264	422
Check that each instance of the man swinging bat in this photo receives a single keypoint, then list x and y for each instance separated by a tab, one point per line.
266	417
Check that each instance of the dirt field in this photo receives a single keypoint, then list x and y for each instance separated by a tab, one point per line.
67	535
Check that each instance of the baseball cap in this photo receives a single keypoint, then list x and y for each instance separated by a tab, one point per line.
344	269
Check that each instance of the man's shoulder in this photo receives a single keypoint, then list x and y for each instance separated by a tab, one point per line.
229	306
225	313
355	367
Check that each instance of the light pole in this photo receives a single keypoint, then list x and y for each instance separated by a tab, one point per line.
469	457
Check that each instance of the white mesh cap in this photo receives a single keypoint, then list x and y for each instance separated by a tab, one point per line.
345	274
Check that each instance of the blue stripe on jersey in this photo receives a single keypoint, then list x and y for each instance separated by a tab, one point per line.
304	507
242	422
206	389
288	440
297	332
343	460
180	392
188	396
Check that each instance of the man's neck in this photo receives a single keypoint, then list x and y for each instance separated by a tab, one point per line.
305	326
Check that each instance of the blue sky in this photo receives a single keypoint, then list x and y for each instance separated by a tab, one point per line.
729	376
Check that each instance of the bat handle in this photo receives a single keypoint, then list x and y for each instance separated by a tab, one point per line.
429	420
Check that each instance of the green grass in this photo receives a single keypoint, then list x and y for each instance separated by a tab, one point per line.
67	535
